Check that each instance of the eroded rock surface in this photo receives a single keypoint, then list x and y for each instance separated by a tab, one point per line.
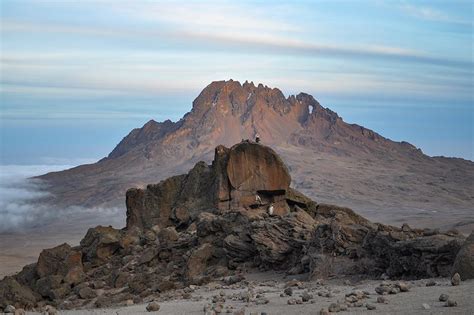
464	263
215	222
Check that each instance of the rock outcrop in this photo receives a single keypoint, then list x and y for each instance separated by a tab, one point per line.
214	222
329	159
464	263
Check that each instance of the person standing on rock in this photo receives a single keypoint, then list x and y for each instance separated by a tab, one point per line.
270	209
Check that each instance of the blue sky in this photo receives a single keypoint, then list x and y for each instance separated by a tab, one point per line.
77	76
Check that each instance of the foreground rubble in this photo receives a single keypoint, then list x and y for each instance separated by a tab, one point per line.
218	221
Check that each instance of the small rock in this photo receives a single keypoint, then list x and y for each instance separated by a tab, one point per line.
403	286
324	311
382	300
288	291
370	307
431	283
443	297
153	307
351	299
425	306
451	303
306	296
262	301
292	302
342	307
49	310
394	290
20	311
382	290
293	283
456	279
129	302
9	309
334	308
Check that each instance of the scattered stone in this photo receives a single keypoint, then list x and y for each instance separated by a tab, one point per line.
49	310
262	301
292	301
383	290
153	307
382	300
451	303
394	290
334	308
456	279
324	311
370	307
293	283
403	286
233	279
306	296
425	306
443	297
288	291
129	302
9	309
20	311
431	283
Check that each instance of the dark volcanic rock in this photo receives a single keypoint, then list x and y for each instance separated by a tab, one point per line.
214	222
464	263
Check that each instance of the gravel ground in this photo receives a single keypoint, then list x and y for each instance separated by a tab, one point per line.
271	286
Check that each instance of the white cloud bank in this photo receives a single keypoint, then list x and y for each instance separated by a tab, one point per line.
19	209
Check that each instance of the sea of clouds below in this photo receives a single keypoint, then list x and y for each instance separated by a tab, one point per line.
19	209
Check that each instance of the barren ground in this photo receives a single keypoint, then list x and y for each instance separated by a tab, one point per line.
271	285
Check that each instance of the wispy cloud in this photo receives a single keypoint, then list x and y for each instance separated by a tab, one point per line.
254	42
431	14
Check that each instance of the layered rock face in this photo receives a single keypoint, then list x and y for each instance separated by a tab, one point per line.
213	223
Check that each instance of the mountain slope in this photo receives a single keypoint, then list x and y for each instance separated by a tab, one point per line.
330	160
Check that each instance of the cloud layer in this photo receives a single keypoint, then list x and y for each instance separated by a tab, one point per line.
20	210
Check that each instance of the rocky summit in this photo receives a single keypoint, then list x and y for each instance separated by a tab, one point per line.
214	223
329	159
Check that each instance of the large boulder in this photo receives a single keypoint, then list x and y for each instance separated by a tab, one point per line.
253	167
464	262
233	180
197	262
100	243
61	261
13	293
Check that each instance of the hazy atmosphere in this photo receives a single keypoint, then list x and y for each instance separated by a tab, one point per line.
77	76
239	157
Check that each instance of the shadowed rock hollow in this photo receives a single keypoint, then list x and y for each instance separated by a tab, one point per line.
215	222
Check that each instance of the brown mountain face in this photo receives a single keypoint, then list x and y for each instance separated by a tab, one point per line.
329	159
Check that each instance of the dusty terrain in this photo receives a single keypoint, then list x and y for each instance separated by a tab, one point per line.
271	285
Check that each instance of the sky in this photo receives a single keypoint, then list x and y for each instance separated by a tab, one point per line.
77	76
